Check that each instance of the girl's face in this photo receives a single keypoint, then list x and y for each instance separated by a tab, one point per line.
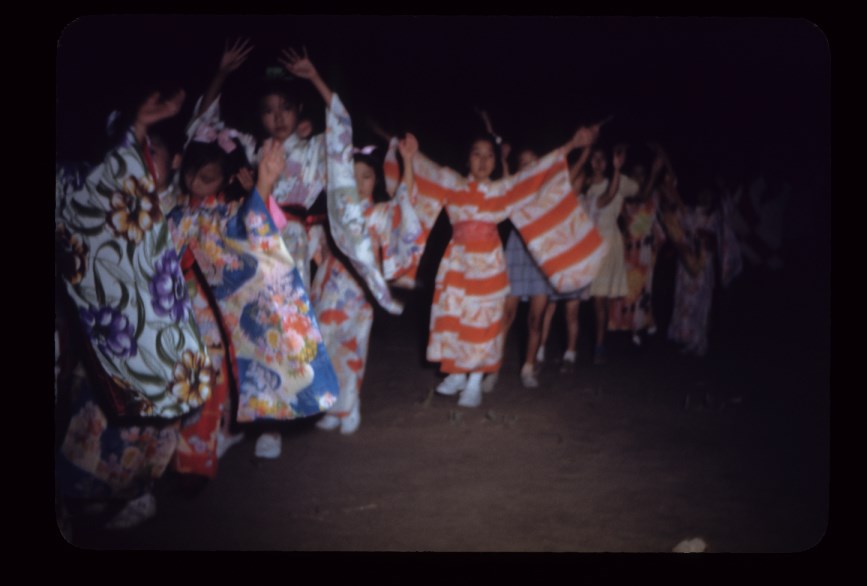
598	162
205	181
279	117
482	160
365	179
526	158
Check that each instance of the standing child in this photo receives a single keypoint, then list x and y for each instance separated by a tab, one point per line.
341	300
471	283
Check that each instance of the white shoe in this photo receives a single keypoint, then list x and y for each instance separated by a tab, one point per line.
490	382
471	396
136	512
269	446
528	378
452	384
328	422
350	423
651	330
224	442
636	339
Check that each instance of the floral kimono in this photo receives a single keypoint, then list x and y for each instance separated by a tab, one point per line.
642	240
471	283
118	419
122	272
340	297
283	371
321	162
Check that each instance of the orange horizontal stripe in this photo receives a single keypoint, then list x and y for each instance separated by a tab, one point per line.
534	182
476	286
470	334
336	316
481	246
431	189
549	219
574	255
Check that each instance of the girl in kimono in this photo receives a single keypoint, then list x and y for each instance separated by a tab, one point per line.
694	230
280	363
312	164
341	300
471	283
642	238
136	360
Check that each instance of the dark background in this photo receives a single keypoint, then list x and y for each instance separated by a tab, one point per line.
729	91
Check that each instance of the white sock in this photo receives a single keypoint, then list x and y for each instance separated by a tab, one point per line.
475	378
569	356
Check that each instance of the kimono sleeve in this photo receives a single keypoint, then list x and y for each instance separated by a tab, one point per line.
559	234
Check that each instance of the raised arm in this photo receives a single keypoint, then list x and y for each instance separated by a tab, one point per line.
301	66
233	57
155	108
659	162
270	166
408	148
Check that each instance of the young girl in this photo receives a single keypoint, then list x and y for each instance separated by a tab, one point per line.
340	298
471	283
142	361
604	202
643	237
283	371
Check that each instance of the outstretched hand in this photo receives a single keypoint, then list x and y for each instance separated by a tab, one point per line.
235	56
298	65
408	146
619	157
271	164
585	136
158	107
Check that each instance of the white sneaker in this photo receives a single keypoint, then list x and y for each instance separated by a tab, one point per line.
490	382
636	339
471	396
452	384
269	446
350	423
224	442
328	422
136	512
528	378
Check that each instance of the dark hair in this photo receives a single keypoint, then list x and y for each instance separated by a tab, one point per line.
374	162
276	87
498	164
199	154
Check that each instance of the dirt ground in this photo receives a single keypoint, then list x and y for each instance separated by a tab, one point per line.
633	456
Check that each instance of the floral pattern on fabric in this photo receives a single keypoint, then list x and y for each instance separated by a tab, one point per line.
121	272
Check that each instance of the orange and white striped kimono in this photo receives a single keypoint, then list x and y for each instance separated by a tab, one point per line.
471	283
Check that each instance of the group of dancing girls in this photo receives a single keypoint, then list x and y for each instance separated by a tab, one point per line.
188	311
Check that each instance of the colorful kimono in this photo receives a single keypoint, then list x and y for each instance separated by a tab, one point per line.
694	282
341	300
283	370
138	338
471	283
321	162
643	237
122	272
197	441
